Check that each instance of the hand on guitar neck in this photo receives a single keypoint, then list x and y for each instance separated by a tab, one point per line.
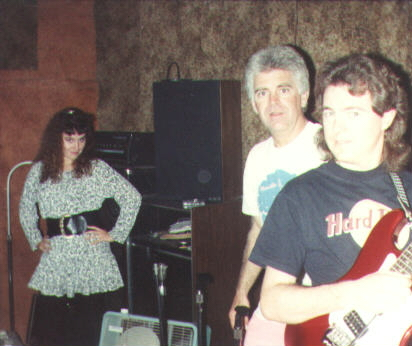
381	291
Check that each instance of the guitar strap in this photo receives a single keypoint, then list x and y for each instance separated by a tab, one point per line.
402	197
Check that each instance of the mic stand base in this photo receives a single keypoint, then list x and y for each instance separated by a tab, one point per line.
10	339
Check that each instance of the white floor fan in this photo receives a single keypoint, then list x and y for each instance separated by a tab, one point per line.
123	329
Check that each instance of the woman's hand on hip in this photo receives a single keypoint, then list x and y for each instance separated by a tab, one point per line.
98	235
44	245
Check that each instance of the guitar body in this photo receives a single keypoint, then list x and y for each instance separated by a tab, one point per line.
379	244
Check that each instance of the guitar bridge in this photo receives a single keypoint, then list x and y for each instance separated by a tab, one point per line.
336	337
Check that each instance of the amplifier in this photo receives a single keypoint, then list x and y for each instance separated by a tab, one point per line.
126	148
142	178
132	154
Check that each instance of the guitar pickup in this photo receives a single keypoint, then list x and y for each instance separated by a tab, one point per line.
355	323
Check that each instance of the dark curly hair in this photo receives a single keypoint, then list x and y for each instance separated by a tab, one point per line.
387	85
68	120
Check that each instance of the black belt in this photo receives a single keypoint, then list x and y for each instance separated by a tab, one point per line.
69	225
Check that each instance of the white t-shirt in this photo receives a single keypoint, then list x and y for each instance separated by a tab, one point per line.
269	168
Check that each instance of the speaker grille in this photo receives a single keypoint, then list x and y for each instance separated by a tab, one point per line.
188	140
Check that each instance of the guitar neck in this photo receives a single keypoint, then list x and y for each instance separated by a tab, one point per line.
403	264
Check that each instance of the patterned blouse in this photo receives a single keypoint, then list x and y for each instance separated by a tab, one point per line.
74	265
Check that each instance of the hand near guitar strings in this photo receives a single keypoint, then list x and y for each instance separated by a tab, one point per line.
383	290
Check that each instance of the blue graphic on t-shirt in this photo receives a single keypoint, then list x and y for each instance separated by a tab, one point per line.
269	189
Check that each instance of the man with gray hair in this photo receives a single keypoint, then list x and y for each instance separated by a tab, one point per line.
277	84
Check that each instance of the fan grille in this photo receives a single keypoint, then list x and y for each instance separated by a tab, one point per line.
120	329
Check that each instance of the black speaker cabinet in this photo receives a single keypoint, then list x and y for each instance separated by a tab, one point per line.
198	147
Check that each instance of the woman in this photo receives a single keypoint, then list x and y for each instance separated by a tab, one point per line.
78	277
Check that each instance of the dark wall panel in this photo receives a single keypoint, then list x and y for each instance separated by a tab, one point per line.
18	35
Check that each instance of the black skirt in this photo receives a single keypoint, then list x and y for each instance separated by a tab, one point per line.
70	321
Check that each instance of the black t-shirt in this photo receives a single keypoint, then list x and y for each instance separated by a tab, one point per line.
320	220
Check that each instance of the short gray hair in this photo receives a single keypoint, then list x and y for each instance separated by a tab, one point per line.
277	57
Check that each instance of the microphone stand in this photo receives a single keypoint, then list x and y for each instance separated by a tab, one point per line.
239	329
159	270
200	329
12	337
203	279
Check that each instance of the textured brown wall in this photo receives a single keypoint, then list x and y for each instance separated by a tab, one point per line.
66	75
137	40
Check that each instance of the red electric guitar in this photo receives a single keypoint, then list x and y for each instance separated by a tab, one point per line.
357	328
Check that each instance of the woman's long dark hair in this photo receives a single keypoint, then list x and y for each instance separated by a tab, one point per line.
69	120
